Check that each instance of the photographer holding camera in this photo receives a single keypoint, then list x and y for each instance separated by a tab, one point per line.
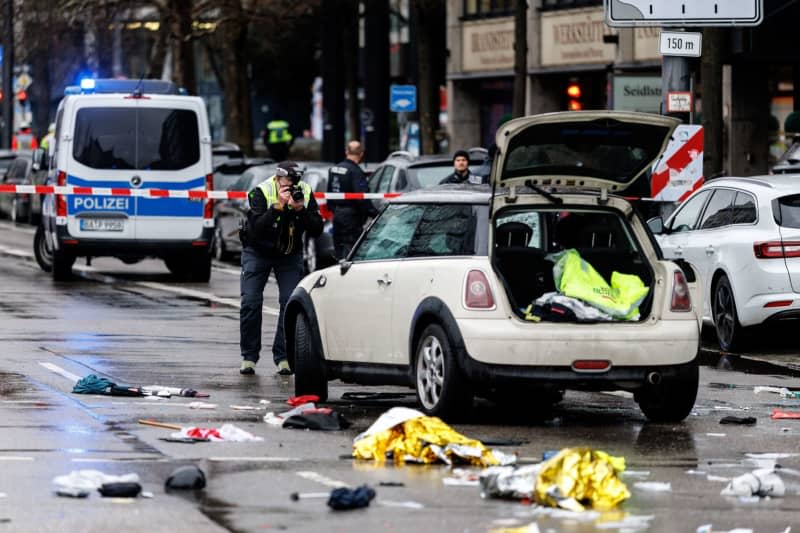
282	208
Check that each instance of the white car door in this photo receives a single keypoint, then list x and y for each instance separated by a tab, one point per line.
709	239
674	240
358	303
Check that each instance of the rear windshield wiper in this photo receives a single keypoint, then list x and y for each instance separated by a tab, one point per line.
553	199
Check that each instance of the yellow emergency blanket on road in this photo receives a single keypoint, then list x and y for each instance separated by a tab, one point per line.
576	478
410	436
576	278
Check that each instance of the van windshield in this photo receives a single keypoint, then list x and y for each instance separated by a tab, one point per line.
136	138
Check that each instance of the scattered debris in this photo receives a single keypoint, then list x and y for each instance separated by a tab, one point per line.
653	486
277	420
717	478
156	423
295	496
294	401
782	391
228	433
408	504
202	405
461	477
184	440
391	484
72	492
120	490
188	477
761	482
344	498
357	396
91	479
779	414
716	434
246	407
740	420
574	479
408	435
636	473
92	384
330	421
161	390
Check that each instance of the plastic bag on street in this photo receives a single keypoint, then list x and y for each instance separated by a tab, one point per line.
228	432
761	482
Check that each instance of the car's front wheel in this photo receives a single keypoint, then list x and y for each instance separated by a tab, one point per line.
42	251
309	367
730	333
442	389
672	399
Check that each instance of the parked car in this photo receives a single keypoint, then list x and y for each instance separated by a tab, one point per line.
743	236
17	206
230	214
435	293
224	151
230	170
404	172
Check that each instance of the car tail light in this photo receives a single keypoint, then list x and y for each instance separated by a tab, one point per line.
61	201
776	249
779	303
208	208
478	293
591	365
681	301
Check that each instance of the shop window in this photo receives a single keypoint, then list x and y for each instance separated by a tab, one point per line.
488	8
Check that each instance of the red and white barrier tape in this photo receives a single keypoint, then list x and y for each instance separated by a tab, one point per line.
166	193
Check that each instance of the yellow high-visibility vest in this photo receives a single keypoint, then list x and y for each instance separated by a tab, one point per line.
278	132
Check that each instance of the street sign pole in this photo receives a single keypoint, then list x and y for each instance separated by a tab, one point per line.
675	78
8	66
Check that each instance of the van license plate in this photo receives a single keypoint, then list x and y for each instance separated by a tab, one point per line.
102	224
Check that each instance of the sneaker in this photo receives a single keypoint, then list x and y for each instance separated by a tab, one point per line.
247	368
283	368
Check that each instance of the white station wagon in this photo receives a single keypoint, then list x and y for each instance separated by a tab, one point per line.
435	293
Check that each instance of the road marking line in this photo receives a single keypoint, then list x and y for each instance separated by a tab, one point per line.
319	478
255	459
60	371
15	252
15	458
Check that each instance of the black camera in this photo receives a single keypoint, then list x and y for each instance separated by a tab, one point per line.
295	174
297	193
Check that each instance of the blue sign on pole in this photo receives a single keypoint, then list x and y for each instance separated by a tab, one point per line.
403	97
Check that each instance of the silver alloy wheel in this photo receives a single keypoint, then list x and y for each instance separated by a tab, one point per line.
723	308
430	372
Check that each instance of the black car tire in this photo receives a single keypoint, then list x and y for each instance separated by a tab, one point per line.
219	249
310	376
62	265
442	389
672	399
730	333
42	252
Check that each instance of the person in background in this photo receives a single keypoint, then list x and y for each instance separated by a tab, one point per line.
461	172
349	216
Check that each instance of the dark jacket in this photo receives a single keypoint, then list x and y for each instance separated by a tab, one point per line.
273	231
348	177
469	177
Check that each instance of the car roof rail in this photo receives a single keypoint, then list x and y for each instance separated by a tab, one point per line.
402	153
753	181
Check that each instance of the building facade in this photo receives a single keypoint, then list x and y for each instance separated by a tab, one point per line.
576	61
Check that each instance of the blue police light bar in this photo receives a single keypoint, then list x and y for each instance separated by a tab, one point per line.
87	84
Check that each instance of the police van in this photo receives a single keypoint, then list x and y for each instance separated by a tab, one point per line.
122	136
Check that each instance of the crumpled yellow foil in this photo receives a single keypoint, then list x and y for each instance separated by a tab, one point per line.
576	478
423	439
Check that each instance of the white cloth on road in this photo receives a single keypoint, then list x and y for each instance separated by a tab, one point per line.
92	479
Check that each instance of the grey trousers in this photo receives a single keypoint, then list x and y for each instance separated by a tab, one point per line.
255	272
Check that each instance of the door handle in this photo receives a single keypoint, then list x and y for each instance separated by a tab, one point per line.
385	280
709	250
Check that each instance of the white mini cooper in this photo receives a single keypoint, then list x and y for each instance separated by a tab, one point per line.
434	295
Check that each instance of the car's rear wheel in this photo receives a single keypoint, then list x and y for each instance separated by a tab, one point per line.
442	389
730	333
42	251
673	398
62	265
309	367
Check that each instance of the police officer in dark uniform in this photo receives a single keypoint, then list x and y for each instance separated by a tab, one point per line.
349	216
461	172
282	208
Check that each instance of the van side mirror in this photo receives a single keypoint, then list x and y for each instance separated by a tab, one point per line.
39	159
656	225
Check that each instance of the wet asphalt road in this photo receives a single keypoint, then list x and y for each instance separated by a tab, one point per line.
132	324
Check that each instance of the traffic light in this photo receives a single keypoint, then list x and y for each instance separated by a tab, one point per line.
574	93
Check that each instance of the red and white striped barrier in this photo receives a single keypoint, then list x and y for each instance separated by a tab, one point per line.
167	193
679	172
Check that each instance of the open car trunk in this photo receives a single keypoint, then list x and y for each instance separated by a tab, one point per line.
526	236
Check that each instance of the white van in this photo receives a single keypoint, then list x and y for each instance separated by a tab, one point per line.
124	135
